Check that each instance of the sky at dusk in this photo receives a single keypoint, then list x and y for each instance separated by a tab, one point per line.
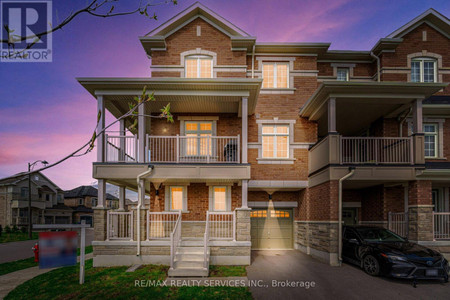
45	113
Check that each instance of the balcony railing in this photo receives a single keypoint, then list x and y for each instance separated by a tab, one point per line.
193	149
119	225
441	225
121	148
161	224
376	150
398	223
221	225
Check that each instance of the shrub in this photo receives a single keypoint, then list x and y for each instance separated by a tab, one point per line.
1	230
7	229
15	229
23	229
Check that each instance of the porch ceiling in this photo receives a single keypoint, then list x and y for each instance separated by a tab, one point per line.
185	95
358	104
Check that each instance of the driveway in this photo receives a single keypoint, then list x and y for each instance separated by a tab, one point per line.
345	282
21	250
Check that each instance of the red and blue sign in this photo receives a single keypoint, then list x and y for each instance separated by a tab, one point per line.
57	249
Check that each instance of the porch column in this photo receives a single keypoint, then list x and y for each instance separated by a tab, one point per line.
418	136
121	198
244	112
244	194
332	115
420	209
122	133
141	134
101	195
100	127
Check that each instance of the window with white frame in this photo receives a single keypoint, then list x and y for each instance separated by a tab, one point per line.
196	141
431	139
275	141
198	66
219	198
342	74
80	201
94	202
423	69
176	194
275	75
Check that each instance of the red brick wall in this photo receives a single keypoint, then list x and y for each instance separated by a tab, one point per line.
372	204
319	203
420	192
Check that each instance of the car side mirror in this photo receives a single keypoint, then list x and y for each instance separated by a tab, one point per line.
353	241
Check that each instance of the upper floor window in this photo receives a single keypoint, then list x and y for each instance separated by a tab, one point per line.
342	74
431	139
81	201
23	192
197	141
198	66
94	202
275	75
423	69
275	141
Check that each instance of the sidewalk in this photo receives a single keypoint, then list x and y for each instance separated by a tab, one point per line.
10	281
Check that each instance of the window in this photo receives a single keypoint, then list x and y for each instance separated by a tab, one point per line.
431	139
23	192
81	201
275	75
342	74
275	141
47	197
423	69
176	198
94	202
219	198
199	66
197	133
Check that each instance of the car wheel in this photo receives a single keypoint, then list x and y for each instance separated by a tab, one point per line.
371	265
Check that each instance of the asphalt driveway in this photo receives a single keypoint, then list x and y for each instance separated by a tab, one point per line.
345	282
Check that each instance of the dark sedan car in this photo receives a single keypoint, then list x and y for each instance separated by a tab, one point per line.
381	252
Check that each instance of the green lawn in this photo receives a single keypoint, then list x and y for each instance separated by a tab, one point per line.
227	271
101	283
16	237
21	264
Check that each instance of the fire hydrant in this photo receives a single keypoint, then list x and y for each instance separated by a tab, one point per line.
36	252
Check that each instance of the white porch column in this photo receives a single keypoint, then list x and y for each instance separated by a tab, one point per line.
101	197
244	112
141	134
332	115
244	194
121	198
101	126
417	116
122	132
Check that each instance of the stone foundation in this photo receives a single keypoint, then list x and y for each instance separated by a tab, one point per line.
318	239
420	223
193	229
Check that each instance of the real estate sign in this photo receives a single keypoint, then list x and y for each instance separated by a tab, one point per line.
57	249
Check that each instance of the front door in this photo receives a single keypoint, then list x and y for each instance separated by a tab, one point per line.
272	228
349	216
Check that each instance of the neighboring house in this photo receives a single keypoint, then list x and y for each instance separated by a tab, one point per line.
82	199
263	134
47	201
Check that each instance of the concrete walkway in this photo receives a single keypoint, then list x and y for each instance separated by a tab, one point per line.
10	281
346	282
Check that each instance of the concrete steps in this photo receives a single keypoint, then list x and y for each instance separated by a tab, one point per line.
189	259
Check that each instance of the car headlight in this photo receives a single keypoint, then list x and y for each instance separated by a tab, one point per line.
396	258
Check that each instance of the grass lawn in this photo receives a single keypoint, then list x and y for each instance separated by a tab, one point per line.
21	264
16	237
227	271
101	283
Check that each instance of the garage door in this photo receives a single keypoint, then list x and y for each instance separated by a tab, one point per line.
272	228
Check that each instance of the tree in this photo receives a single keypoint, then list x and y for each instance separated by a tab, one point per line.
95	8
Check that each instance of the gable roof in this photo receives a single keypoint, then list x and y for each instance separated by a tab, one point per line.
197	10
16	178
431	17
86	191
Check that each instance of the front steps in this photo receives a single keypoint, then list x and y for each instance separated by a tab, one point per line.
189	259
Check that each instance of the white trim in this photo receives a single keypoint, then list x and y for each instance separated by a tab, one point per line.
168	197
227	197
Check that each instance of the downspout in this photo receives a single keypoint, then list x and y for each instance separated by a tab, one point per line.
138	208
378	65
400	130
352	171
253	61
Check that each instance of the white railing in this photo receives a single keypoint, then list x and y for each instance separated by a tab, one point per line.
175	237
193	149
161	224
206	242
119	225
222	225
376	150
398	223
441	225
121	148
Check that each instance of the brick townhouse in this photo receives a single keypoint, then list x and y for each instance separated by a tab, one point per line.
273	143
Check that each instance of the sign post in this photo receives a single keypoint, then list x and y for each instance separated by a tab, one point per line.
82	251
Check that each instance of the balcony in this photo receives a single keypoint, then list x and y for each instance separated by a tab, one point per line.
174	149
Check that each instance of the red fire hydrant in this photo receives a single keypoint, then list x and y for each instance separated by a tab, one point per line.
36	252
